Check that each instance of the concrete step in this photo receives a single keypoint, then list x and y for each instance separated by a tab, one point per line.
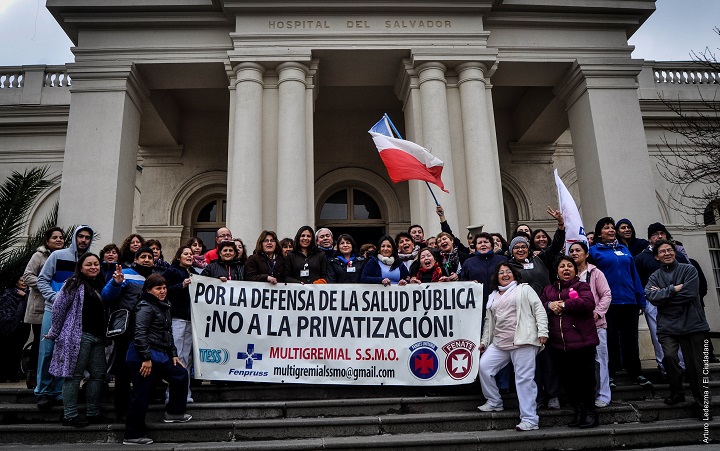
608	436
208	424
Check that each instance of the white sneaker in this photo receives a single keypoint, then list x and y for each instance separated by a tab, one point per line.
600	404
554	404
525	426
487	407
190	400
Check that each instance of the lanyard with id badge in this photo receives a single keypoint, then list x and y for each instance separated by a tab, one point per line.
350	267
305	272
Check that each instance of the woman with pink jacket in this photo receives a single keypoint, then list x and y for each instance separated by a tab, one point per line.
600	288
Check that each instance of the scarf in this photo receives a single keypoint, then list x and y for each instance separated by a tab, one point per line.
450	260
346	261
501	292
435	270
387	260
411	255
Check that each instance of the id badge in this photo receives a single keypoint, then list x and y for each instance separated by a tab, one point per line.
350	269
528	266
619	253
304	273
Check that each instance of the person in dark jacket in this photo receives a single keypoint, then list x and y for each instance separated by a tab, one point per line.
628	299
152	356
429	270
627	236
481	266
674	289
266	263
451	256
13	331
123	292
109	258
226	267
346	266
385	267
160	265
646	264
177	277
305	263
570	306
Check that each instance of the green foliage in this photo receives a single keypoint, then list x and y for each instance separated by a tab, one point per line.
17	194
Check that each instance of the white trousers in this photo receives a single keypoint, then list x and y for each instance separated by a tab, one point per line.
523	359
602	374
182	336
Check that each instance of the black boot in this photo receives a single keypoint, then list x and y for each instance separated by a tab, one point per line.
591	419
578	416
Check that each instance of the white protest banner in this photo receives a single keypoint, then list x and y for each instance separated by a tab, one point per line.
336	334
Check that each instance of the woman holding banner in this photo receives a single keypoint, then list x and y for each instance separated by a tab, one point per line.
305	264
429	270
515	329
266	263
385	267
226	267
346	266
178	282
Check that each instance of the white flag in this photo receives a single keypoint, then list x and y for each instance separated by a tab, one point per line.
574	230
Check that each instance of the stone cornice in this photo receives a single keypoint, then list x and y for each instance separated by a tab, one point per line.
160	156
119	76
598	74
540	153
314	6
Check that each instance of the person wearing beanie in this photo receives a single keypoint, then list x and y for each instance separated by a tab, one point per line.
628	299
626	235
646	264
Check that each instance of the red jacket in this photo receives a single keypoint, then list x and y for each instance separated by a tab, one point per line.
575	327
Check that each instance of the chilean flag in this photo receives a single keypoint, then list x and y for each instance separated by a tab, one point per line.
405	160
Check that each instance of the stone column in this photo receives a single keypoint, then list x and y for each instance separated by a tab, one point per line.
244	197
436	135
292	199
613	165
100	160
482	165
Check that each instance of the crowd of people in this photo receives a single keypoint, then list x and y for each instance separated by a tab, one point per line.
558	323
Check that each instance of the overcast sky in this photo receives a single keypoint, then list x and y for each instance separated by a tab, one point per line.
30	35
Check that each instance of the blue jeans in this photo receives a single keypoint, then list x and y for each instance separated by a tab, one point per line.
48	386
92	359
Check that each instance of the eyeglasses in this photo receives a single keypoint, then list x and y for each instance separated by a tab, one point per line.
268	240
520	246
502	273
225	235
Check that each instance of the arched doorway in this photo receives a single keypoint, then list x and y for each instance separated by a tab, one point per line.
352	210
209	215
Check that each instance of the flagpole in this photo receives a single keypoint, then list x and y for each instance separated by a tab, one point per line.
437	204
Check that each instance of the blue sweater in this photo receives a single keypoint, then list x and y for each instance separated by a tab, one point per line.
372	272
622	276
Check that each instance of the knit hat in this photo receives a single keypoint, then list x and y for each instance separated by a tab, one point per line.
657	227
517	240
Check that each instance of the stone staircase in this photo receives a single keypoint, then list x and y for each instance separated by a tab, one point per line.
310	417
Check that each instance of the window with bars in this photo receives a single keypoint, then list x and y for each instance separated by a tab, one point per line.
713	239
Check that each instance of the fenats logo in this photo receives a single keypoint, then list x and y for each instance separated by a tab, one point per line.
250	356
459	360
219	356
423	360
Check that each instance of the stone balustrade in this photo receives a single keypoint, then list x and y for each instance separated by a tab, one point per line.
11	77
35	85
57	77
690	73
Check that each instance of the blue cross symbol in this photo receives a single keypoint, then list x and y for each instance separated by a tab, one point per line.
250	356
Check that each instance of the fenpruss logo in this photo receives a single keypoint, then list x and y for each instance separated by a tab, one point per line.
459	361
219	356
423	360
250	356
